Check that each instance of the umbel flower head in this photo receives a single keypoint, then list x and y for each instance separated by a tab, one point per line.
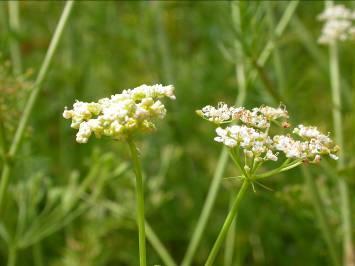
251	134
339	24
122	115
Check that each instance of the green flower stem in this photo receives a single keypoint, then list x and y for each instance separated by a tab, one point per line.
230	217
158	246
242	94
321	216
32	99
229	247
349	256
139	202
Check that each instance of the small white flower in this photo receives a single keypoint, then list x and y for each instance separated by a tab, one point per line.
333	156
271	156
272	113
84	133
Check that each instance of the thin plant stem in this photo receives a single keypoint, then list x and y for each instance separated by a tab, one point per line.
207	207
321	216
32	99
279	70
37	254
14	26
139	202
338	132
279	30
223	157
11	260
280	169
158	246
348	251
230	239
230	217
242	94
3	140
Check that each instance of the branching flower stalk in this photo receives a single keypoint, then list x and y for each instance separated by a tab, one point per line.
222	161
122	117
251	145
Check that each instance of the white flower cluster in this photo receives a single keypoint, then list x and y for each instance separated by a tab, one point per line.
253	135
254	143
339	24
220	114
121	115
258	117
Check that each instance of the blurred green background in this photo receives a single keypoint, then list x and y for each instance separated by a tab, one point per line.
109	46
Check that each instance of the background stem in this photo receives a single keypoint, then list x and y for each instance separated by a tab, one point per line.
349	257
139	203
32	99
37	254
14	26
222	234
207	207
158	246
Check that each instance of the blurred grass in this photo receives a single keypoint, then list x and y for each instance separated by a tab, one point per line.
108	46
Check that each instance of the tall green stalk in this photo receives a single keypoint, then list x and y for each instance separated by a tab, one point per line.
32	99
230	217
338	132
223	157
229	247
139	202
348	252
242	94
